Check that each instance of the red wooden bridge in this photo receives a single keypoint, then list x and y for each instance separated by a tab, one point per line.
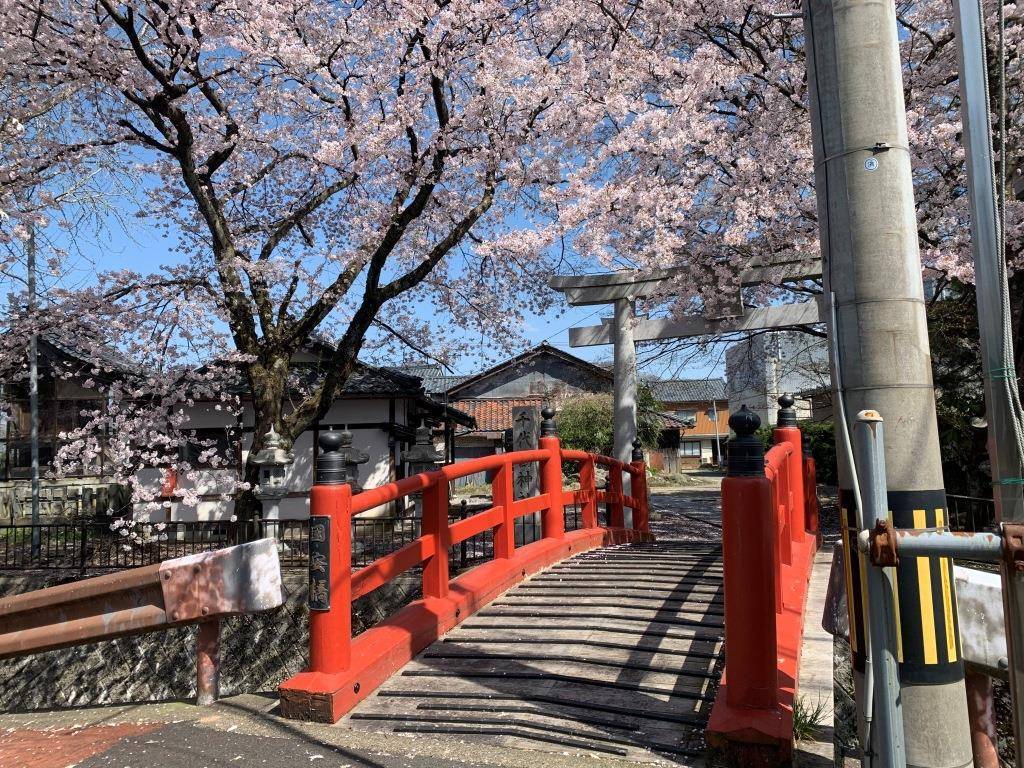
593	637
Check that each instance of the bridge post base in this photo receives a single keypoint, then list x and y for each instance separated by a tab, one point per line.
736	750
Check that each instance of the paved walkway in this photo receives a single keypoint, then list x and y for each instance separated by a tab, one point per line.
626	621
816	667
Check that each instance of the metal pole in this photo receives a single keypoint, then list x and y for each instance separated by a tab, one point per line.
993	314
886	738
624	390
208	663
718	444
871	264
33	391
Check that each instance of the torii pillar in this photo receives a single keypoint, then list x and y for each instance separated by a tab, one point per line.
624	391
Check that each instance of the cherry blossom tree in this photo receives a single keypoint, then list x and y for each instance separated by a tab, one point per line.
411	173
326	167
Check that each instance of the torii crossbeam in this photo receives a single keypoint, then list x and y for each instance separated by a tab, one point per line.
623	331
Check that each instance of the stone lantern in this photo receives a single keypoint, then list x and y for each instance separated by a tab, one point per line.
422	457
273	461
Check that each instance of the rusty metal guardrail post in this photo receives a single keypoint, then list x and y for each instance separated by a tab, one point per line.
883	710
196	589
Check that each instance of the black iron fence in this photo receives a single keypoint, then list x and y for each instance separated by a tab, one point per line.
970	513
124	544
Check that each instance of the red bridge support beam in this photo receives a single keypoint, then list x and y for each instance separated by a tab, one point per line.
768	555
552	519
787	432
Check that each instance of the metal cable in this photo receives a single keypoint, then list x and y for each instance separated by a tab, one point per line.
999	375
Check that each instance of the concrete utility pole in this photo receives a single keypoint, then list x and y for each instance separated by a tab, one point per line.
624	397
871	267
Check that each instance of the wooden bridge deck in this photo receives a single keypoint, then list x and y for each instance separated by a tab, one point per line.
615	651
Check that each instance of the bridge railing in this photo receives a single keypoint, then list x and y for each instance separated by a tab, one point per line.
343	670
769	537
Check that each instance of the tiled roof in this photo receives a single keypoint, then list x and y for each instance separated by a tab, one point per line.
494	414
668	420
435	380
688	390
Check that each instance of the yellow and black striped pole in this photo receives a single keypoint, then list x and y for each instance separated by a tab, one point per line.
928	647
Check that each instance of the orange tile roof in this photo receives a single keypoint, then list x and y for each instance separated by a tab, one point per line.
494	414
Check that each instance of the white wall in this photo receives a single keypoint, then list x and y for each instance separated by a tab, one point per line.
220	482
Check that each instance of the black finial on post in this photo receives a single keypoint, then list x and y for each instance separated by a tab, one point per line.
787	413
638	450
746	452
547	426
330	464
338	462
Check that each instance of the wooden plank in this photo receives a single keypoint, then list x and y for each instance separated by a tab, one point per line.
611	668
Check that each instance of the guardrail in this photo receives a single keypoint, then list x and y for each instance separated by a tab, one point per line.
343	671
769	538
198	589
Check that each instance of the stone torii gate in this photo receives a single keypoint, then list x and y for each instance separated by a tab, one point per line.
623	330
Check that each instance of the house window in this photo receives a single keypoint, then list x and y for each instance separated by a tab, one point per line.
689	448
687	414
55	416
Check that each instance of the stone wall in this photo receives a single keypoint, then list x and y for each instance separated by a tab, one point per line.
257	653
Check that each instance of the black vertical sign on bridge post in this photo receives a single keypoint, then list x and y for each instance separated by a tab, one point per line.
525	477
319	598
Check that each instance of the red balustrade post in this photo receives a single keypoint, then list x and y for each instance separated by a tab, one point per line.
552	519
616	515
786	431
641	512
330	561
502	496
748	541
435	525
588	490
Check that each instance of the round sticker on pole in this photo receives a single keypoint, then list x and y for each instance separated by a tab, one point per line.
871	164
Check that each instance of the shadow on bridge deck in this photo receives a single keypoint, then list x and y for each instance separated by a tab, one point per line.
615	651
